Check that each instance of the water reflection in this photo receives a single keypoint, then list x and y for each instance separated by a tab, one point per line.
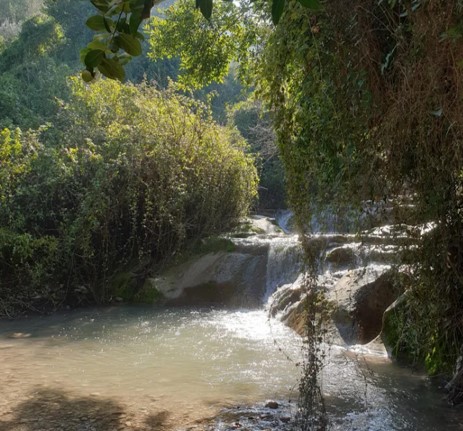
177	365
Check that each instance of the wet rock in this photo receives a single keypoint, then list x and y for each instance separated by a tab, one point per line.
272	404
341	257
284	299
255	418
296	316
360	299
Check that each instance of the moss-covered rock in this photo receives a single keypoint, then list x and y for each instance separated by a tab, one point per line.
394	331
148	294
214	244
122	285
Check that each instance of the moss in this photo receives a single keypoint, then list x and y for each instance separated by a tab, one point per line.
148	294
122	285
215	244
245	229
396	332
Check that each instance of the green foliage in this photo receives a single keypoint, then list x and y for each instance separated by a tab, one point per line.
205	48
118	38
30	78
117	25
366	103
14	13
223	95
255	125
134	175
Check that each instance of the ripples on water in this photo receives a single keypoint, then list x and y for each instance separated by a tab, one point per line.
200	360
187	357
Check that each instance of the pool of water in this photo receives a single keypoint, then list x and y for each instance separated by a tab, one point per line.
188	364
187	360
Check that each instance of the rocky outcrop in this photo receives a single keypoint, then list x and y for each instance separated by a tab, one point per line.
240	269
359	300
355	274
341	257
222	278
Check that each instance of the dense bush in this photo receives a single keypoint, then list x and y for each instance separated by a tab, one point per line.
128	174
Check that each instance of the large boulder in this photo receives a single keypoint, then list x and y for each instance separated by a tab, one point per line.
221	278
359	300
288	303
341	257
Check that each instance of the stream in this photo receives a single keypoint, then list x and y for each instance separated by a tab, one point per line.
197	368
188	362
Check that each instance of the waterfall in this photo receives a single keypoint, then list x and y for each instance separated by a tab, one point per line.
284	263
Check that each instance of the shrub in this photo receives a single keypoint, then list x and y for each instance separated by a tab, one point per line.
128	175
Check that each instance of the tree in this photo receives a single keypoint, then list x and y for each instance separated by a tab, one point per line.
118	38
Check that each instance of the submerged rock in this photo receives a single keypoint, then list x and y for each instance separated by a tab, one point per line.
16	335
272	404
255	418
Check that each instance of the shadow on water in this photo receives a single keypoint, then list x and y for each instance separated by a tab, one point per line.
57	410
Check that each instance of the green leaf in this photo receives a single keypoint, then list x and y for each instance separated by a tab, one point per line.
107	23
205	6
135	21
277	10
96	44
311	4
131	45
122	26
96	23
111	69
94	58
83	53
102	5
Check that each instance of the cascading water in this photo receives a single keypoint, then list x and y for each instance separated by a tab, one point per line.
284	264
169	368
